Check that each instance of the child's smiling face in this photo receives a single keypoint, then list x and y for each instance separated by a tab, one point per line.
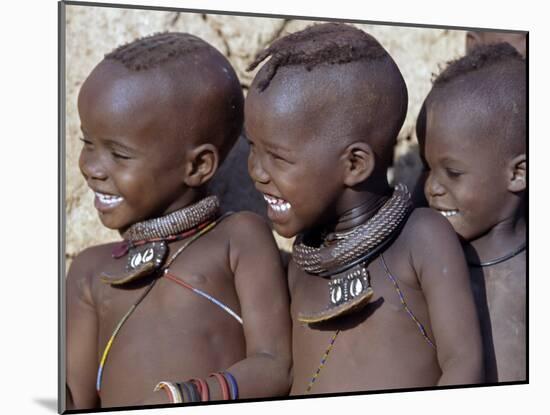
467	179
292	160
129	157
316	139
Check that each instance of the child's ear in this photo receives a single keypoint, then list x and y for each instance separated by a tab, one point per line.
517	168
202	163
360	161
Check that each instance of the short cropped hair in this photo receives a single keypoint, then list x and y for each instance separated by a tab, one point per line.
318	44
495	77
159	49
480	57
154	50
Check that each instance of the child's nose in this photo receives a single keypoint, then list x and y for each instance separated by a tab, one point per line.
255	169
433	188
91	167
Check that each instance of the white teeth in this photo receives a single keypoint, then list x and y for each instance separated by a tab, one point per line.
281	208
448	213
271	200
108	199
278	205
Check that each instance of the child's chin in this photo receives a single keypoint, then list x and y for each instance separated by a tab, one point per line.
285	231
462	234
109	223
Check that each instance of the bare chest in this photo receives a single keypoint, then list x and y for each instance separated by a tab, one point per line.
367	350
176	331
500	294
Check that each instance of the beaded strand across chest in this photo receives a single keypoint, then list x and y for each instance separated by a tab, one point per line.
145	245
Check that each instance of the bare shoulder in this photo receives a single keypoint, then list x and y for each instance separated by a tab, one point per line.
427	227
247	228
87	265
428	235
251	243
91	259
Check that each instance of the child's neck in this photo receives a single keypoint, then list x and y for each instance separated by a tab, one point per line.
190	197
504	238
357	207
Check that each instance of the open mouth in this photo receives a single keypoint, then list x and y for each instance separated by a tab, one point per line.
108	200
278	205
448	213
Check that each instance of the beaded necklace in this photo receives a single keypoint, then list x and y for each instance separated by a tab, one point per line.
323	361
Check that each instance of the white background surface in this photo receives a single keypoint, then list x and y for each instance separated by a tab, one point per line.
29	204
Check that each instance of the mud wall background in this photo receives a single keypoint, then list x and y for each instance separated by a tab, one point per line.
92	32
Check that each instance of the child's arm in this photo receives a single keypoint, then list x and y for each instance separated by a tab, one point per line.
81	335
440	266
260	283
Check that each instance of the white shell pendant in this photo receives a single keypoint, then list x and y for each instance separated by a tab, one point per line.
348	285
335	294
356	287
135	260
140	256
348	291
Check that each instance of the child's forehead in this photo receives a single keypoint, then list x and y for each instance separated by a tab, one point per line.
334	92
458	119
460	102
177	78
112	82
115	103
286	119
112	87
333	103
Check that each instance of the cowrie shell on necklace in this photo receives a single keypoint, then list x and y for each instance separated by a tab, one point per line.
135	260
147	255
142	260
348	292
335	294
356	287
149	252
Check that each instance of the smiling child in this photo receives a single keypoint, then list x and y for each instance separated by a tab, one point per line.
380	296
182	296
474	145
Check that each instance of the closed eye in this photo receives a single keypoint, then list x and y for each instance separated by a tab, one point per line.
120	156
85	141
452	173
276	156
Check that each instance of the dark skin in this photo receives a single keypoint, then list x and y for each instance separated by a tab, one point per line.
134	152
310	151
481	190
473	40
